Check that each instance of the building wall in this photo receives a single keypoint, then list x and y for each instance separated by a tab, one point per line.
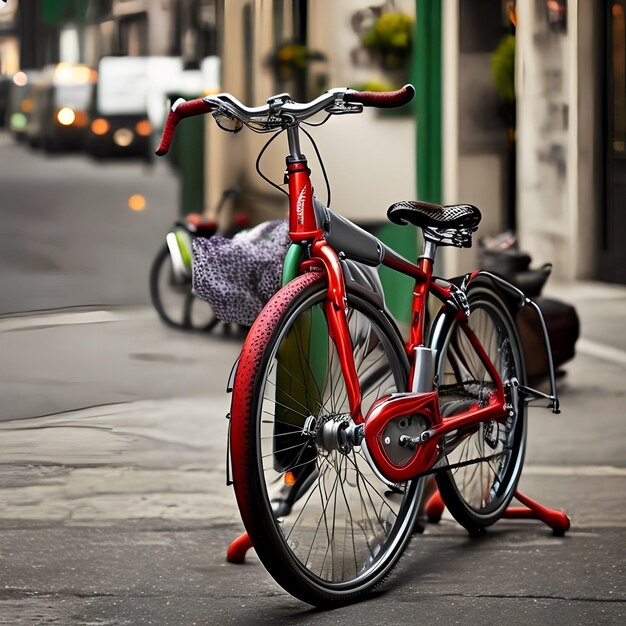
558	136
370	158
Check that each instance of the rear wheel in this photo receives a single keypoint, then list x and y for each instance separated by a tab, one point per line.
489	456
324	524
173	300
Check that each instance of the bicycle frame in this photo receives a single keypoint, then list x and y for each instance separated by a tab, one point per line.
324	252
303	230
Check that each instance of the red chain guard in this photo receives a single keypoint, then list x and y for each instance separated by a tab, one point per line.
399	405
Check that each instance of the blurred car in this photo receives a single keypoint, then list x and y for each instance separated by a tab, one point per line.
19	105
120	122
60	99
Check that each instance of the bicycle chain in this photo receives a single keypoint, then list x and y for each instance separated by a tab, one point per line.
460	464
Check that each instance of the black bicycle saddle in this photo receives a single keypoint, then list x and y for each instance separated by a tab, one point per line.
450	225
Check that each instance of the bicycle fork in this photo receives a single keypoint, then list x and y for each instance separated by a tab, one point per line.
336	309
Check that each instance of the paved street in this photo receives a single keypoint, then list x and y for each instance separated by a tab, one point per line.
67	235
113	504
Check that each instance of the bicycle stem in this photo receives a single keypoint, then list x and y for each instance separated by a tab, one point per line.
293	138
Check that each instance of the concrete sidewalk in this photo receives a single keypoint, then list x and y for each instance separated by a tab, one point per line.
602	311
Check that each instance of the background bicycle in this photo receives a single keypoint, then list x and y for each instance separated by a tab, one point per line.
171	273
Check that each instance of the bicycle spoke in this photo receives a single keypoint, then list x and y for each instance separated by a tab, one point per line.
302	509
304	387
291	433
274	452
382	498
356	567
323	514
304	360
294	429
271	382
364	506
284	406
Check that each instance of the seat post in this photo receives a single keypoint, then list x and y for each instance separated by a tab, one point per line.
429	250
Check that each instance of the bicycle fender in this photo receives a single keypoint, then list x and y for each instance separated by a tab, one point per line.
365	281
515	300
513	297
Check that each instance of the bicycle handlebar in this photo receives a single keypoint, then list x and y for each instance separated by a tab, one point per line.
333	101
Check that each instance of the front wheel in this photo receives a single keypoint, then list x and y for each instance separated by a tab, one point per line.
324	523
486	458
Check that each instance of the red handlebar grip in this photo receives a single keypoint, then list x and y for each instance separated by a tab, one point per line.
180	110
383	99
168	132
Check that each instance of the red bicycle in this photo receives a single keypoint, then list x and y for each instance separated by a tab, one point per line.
335	419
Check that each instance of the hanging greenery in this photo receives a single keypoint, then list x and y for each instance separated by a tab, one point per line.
503	68
390	38
291	58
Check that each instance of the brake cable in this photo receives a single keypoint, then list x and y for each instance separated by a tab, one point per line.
258	163
317	154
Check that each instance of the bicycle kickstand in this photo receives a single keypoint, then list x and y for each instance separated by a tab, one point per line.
557	520
238	548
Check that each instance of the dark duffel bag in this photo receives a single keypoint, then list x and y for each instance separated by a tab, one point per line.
563	329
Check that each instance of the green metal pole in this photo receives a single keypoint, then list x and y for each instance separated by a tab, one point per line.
426	75
427	78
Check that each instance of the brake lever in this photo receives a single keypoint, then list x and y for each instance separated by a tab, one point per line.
342	108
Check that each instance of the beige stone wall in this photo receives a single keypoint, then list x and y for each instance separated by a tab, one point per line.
557	84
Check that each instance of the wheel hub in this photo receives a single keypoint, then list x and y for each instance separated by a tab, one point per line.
338	432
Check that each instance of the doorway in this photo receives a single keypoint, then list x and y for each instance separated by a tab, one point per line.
613	220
